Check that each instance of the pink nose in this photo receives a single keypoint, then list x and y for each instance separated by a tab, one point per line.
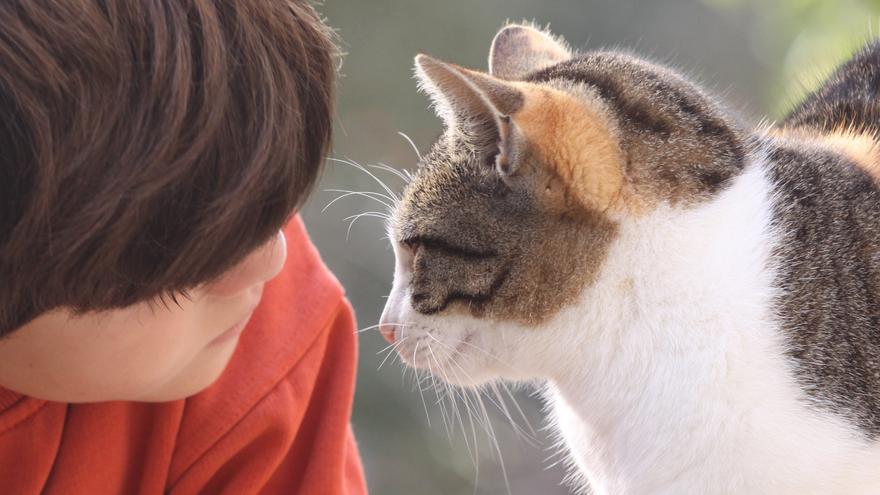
387	332
391	316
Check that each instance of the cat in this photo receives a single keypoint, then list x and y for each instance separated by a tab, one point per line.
701	298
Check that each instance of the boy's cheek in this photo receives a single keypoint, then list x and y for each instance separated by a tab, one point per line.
118	356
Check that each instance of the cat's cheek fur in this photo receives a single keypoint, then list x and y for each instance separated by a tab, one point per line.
446	345
414	336
461	349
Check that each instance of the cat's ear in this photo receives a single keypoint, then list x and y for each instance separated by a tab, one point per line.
472	102
463	94
518	50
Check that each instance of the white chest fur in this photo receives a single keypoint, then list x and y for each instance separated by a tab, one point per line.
674	378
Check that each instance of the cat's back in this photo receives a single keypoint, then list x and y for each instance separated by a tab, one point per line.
824	164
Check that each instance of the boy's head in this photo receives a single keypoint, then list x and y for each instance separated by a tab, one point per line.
149	154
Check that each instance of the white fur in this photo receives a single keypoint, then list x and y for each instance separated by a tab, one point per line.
668	376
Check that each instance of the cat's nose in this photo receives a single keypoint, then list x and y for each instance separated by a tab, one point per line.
391	315
387	332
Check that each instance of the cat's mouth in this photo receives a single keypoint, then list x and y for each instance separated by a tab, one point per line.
447	346
445	357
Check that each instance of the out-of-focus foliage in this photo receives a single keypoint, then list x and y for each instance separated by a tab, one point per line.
804	39
750	52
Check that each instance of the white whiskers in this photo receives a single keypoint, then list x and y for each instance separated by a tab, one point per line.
387	197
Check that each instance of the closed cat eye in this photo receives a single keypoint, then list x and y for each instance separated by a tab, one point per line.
414	243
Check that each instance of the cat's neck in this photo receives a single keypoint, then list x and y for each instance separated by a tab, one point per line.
679	317
675	281
674	377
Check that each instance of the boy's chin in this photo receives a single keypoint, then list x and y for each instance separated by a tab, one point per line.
198	376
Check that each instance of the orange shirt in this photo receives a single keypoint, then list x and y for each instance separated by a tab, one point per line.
277	420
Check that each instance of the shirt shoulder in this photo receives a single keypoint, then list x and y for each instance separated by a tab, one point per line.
277	418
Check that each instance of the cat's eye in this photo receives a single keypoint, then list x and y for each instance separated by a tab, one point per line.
415	243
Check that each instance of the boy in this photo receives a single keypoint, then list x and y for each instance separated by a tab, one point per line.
159	332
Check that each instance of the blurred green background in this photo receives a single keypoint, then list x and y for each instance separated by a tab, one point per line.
758	56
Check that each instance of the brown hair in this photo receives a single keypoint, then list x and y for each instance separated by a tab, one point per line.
147	147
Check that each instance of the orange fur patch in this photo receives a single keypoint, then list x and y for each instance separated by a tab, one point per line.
861	148
575	140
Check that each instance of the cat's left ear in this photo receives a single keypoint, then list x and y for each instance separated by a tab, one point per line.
474	104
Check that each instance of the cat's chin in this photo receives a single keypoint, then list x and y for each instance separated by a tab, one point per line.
456	361
458	376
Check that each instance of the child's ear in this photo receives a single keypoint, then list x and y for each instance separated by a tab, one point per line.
518	50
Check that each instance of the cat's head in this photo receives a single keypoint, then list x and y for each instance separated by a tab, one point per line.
511	214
